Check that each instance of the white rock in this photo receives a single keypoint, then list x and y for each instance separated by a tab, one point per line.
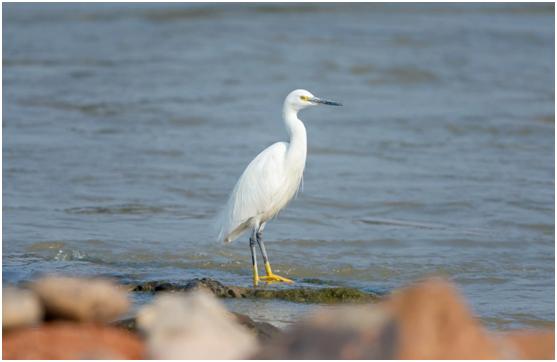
79	299
20	308
193	326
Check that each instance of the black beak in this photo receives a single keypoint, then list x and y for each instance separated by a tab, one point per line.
324	101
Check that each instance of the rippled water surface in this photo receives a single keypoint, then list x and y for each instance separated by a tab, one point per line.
125	127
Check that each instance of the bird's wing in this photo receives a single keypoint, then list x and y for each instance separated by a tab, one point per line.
255	192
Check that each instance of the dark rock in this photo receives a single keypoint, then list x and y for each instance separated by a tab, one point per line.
155	286
263	330
129	324
163	287
214	286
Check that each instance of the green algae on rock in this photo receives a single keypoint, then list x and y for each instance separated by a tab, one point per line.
328	295
314	295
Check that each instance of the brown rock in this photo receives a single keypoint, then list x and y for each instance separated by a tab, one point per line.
428	320
531	344
20	308
434	322
345	332
66	340
81	299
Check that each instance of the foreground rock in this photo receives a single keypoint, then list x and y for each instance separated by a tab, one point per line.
81	299
531	344
328	295
66	340
433	322
426	321
347	332
263	331
20	308
193	326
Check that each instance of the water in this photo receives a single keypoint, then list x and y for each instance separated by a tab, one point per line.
125	127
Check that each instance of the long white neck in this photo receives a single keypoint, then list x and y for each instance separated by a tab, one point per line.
297	149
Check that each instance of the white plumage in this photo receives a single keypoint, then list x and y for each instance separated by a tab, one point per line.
265	187
272	178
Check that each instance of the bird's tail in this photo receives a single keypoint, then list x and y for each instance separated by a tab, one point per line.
227	229
221	226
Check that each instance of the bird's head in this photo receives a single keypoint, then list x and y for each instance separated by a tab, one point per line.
301	98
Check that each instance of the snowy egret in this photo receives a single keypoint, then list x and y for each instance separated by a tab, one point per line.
268	183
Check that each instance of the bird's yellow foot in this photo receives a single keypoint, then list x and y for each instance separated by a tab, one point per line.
269	279
272	277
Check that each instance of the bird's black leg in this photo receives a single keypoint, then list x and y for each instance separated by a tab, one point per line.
270	277
259	238
252	241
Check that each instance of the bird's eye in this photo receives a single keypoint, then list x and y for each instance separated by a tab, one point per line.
304	98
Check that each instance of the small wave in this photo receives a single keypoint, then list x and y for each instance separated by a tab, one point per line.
403	204
547	229
34	62
404	75
46	245
173	14
173	153
68	255
319	201
327	150
289	8
361	69
100	109
549	118
420	225
55	250
353	243
187	121
514	320
127	209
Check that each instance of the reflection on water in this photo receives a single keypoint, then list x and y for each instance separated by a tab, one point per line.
125	127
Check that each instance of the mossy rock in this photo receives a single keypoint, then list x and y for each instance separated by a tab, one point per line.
217	288
328	295
315	295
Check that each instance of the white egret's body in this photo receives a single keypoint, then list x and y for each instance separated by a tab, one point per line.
270	181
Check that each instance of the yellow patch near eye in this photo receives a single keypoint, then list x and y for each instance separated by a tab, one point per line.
304	98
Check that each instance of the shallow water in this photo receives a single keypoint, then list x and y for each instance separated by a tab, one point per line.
125	127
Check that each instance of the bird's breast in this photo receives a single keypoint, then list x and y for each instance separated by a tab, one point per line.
291	182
